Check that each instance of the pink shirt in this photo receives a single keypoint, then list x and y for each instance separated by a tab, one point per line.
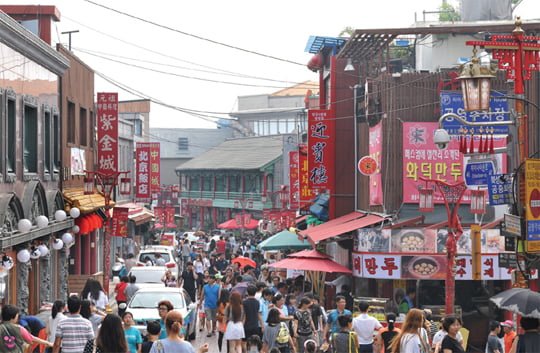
26	335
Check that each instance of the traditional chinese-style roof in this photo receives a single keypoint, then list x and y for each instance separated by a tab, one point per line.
239	154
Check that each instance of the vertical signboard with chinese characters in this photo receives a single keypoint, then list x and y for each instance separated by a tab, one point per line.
119	221
375	151
321	150
107	132
294	179
306	194
142	175
532	204
155	167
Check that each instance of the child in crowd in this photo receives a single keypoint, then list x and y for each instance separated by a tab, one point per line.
153	329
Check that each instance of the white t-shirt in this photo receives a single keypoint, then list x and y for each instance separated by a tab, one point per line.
52	326
411	343
365	326
438	337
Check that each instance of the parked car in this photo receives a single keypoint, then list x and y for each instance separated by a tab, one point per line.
148	276
144	307
166	252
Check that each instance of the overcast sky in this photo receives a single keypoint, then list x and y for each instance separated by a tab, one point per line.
202	55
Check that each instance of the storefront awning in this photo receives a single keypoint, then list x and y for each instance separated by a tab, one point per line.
138	214
85	203
341	225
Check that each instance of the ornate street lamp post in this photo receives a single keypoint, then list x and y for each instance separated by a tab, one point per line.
107	182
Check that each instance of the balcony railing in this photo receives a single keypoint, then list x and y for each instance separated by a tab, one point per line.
221	195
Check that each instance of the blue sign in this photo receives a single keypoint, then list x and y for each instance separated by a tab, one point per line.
478	173
500	189
533	230
452	102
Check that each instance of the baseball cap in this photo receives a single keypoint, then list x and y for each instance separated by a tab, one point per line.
508	323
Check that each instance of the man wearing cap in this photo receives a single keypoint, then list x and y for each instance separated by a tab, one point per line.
509	334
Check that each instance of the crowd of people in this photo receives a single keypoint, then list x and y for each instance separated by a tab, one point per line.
249	308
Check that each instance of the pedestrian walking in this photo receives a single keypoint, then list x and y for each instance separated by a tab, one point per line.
93	291
303	325
493	343
153	329
450	342
332	325
253	318
221	319
386	335
345	340
133	336
15	337
529	341
174	343
120	295
188	280
131	288
110	338
209	297
74	331
364	325
234	314
271	332
409	340
57	314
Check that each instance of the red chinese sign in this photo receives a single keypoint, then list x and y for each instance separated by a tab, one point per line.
119	221
306	194
147	170
155	167
164	214
107	132
321	150
294	179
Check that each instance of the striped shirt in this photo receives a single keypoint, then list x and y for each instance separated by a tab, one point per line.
74	331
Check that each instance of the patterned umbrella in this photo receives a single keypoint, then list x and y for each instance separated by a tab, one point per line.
521	301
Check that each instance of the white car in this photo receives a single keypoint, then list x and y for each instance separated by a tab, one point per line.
167	254
148	276
144	307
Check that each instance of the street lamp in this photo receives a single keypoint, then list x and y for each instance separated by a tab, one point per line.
243	203
107	181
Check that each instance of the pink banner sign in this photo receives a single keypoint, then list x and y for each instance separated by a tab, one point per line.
321	150
375	151
142	175
294	179
119	221
107	132
422	158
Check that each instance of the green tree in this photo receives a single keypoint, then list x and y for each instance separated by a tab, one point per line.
446	15
347	31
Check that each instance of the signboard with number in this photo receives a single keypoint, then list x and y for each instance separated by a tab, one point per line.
452	102
500	189
532	203
107	132
477	173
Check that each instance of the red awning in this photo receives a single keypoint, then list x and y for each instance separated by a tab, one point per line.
343	224
310	264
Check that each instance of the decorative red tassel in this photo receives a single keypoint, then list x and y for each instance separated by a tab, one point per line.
491	148
481	144
471	149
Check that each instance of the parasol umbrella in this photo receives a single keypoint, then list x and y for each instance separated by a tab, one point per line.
241	288
231	224
284	240
311	254
243	261
171	225
158	225
521	301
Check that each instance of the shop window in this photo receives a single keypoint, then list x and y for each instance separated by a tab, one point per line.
83	127
138	127
47	143
11	136
71	122
183	143
30	139
56	142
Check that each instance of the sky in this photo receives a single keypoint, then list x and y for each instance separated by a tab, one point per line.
198	57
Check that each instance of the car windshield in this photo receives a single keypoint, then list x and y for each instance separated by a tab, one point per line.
152	255
151	300
148	276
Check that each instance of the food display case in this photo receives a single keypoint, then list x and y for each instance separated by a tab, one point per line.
376	307
438	312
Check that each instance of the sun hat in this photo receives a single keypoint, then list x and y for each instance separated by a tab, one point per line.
508	323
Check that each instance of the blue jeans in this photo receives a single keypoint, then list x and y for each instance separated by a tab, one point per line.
366	348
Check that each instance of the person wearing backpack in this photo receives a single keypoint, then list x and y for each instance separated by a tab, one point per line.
386	335
346	340
303	323
14	336
276	334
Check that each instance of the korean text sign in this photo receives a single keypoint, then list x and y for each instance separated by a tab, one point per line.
107	132
321	150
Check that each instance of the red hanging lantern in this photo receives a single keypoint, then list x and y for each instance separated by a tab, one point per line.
315	63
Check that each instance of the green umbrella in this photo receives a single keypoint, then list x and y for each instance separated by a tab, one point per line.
284	240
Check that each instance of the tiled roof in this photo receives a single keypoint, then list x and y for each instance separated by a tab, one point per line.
238	154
